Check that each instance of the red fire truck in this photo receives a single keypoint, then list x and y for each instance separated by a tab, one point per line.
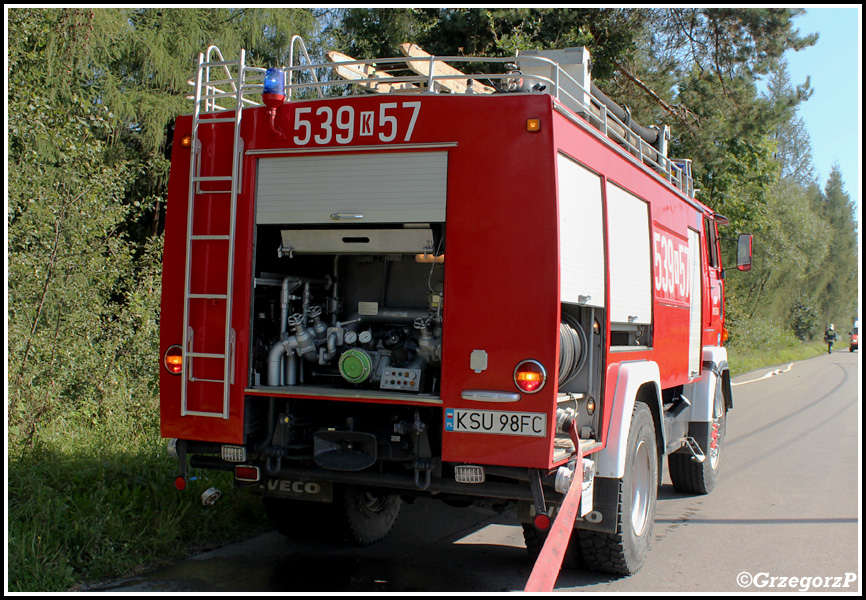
381	285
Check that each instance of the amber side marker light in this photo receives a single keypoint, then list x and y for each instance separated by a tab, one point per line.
533	125
174	360
186	141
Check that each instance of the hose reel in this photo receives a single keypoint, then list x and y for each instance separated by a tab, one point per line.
572	349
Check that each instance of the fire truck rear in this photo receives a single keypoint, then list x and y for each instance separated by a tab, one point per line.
486	290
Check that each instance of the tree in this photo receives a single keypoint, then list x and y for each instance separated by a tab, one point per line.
376	32
837	274
793	146
693	68
805	320
69	261
92	94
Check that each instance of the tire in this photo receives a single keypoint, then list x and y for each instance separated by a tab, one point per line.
623	552
693	477
368	515
357	516
535	538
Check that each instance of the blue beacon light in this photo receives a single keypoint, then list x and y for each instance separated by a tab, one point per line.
275	82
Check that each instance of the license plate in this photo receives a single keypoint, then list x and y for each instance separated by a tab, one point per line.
496	421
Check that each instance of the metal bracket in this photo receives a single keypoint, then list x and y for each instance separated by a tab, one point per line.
537	492
694	449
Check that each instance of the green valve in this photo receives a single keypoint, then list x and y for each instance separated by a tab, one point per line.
355	365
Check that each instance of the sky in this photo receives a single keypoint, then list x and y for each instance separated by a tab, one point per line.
833	115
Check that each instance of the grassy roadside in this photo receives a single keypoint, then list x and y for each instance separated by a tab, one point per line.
84	507
742	360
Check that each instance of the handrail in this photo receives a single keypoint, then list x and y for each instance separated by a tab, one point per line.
292	62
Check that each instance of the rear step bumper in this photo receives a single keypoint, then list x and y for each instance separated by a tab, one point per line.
508	491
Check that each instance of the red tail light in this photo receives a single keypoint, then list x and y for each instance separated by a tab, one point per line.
530	376
541	522
247	473
174	360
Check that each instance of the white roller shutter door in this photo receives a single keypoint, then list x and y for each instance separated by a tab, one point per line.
629	250
406	187
581	234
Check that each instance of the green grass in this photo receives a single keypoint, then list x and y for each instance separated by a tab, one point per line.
760	343
743	360
85	508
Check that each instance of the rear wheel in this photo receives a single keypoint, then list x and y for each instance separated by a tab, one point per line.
623	552
535	538
368	515
357	515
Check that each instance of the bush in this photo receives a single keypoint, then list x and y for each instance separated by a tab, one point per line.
758	334
805	318
758	343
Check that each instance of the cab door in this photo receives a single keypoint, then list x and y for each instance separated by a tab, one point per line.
714	296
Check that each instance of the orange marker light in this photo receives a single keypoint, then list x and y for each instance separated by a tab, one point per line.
174	360
529	376
186	141
533	125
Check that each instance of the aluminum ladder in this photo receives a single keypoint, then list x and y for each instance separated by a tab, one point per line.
200	304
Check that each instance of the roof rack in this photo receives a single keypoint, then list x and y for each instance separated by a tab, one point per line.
564	74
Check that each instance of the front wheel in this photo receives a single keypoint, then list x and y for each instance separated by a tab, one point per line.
693	477
623	552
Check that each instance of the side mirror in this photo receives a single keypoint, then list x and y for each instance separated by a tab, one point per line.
744	252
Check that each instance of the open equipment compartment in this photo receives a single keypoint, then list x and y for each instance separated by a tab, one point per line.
356	310
349	273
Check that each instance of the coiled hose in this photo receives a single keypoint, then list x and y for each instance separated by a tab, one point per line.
572	343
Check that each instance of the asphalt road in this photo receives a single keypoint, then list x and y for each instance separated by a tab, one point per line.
784	518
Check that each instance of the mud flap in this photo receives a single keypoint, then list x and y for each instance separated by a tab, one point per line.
547	566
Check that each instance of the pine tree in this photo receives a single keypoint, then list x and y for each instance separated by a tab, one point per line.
838	288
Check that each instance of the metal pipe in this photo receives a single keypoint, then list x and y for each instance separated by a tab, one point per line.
650	136
285	295
390	314
275	361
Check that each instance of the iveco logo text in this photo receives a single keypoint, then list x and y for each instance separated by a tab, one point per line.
296	487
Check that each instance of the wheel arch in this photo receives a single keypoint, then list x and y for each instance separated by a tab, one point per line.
637	381
715	378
